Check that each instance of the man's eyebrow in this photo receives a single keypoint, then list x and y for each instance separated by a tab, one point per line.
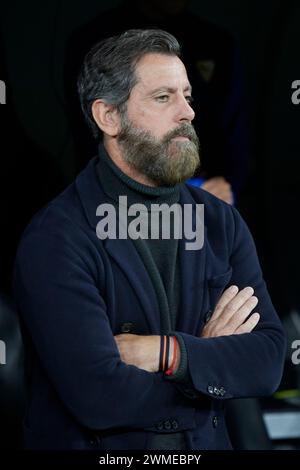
169	89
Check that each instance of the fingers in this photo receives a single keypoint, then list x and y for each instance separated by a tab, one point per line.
232	310
236	303
249	325
240	316
231	300
224	300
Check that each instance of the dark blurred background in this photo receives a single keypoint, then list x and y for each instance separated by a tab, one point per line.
251	46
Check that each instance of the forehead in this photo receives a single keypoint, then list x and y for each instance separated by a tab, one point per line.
160	70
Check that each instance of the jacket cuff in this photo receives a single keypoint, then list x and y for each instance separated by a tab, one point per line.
182	374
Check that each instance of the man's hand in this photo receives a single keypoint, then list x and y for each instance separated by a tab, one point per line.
139	351
220	188
231	312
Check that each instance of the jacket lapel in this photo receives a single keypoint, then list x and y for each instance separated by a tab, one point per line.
123	252
192	271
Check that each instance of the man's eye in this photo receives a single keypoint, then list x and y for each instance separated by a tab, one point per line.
189	99
162	98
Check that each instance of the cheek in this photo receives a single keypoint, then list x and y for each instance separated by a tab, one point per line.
154	121
156	125
136	114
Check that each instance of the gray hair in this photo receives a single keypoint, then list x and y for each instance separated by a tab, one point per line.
108	70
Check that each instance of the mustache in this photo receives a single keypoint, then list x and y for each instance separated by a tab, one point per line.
184	130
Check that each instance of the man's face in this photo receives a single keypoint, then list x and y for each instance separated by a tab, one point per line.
157	137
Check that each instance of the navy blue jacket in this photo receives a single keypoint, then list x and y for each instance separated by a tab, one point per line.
75	292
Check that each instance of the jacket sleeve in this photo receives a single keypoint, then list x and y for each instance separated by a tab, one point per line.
245	365
57	292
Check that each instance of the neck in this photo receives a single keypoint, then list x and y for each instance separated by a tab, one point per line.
115	153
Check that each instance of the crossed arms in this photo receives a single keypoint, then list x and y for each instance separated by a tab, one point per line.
103	380
230	317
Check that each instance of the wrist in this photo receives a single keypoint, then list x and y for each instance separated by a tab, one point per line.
157	353
178	358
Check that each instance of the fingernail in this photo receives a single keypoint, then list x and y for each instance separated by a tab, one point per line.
249	290
233	289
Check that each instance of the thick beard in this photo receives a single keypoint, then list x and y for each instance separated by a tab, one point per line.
163	161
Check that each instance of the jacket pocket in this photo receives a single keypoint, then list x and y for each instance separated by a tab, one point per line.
216	286
220	280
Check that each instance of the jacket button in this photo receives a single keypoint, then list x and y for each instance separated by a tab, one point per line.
160	426
215	421
216	391
167	425
210	389
222	391
127	327
174	424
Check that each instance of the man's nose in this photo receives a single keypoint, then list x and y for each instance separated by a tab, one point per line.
186	112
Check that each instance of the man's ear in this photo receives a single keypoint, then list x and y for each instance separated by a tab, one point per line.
107	117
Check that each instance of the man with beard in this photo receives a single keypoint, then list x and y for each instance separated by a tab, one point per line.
136	343
212	60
